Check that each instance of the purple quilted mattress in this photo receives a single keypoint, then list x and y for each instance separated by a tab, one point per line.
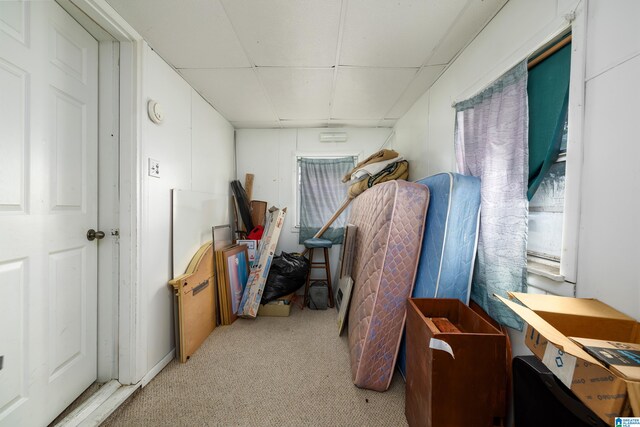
390	218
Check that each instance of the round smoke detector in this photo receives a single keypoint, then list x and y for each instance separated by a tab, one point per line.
155	112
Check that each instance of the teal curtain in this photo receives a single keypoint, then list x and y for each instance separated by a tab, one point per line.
548	95
321	194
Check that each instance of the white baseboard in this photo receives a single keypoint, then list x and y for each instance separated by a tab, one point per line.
159	367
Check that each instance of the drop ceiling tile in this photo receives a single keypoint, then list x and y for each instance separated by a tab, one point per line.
423	81
368	93
304	124
186	33
354	123
399	33
470	22
255	125
387	123
235	92
299	93
285	32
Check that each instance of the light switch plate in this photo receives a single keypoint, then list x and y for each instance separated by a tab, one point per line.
154	168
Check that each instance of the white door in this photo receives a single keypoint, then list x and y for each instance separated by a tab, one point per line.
48	201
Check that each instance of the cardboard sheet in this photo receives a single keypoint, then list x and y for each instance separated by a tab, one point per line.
621	357
549	332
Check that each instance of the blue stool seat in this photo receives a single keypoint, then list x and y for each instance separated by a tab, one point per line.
317	243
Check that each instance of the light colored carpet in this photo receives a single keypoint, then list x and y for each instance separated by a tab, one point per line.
271	371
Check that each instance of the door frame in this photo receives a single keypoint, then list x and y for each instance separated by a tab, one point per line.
122	331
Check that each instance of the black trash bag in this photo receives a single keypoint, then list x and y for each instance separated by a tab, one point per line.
287	274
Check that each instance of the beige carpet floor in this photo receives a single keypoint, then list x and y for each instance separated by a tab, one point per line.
289	371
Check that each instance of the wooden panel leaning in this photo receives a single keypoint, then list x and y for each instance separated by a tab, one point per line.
195	294
455	373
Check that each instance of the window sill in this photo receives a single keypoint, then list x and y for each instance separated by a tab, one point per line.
544	268
545	275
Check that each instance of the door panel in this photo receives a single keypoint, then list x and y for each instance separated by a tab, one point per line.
48	201
14	20
13	87
67	156
12	312
66	319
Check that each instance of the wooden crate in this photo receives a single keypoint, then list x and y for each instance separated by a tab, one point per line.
465	388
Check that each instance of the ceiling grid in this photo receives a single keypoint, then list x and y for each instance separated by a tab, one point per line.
309	63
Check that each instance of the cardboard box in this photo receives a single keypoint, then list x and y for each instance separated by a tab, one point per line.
278	308
552	320
252	296
456	366
623	358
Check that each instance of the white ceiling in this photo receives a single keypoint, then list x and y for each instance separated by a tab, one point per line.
309	63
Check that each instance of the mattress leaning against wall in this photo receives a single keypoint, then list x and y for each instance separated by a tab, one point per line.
390	219
450	241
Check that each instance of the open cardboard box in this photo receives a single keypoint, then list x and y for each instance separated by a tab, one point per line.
552	320
278	308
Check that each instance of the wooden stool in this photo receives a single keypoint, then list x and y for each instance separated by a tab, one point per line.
312	244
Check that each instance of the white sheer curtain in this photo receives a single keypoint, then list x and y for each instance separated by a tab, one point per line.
491	140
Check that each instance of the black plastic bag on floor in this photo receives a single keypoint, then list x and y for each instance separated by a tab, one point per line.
287	274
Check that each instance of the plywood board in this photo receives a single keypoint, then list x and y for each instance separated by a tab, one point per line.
196	302
194	213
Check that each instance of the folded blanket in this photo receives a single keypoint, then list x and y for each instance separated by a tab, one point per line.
372	169
380	156
396	170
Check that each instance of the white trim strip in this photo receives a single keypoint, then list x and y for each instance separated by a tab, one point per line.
83	411
109	407
159	367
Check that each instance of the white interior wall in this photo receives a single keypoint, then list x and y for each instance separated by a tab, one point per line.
270	154
608	251
609	226
195	148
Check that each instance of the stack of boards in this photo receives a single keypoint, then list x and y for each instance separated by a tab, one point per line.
239	290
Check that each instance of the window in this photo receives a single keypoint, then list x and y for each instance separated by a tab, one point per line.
546	213
548	91
320	192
